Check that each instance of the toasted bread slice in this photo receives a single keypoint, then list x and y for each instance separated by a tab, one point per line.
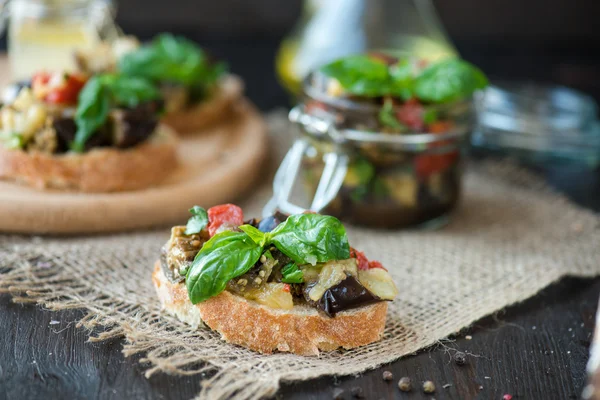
303	330
98	170
209	112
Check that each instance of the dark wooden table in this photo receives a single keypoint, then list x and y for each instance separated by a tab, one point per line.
535	350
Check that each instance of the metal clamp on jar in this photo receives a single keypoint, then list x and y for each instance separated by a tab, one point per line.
367	175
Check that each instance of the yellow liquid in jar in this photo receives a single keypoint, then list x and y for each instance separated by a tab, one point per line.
36	45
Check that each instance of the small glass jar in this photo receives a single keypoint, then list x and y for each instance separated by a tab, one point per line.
391	180
42	34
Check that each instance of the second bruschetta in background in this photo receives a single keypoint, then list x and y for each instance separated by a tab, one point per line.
101	134
197	91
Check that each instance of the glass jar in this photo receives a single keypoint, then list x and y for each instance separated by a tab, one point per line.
364	175
42	34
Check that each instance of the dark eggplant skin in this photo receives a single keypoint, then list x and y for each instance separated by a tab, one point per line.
133	126
347	294
123	129
65	134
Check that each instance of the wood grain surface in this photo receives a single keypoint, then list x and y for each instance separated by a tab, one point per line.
536	350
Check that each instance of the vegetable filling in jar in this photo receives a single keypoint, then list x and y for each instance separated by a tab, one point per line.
396	128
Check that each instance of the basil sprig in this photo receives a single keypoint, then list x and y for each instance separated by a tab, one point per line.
224	257
171	59
99	94
197	222
360	74
449	80
305	238
311	238
440	82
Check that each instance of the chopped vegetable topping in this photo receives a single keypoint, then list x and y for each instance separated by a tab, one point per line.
304	238
228	215
58	88
292	274
198	221
375	76
101	93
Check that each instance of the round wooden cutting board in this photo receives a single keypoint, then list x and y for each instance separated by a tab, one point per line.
217	166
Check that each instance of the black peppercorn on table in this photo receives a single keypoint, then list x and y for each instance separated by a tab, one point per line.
535	350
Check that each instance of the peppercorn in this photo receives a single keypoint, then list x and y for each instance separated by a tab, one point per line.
387	376
404	384
460	358
338	394
357	392
428	387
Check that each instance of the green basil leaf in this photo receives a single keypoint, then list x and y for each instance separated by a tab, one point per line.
11	140
387	116
292	274
197	222
360	75
225	256
257	236
130	91
311	238
172	59
402	78
92	111
449	80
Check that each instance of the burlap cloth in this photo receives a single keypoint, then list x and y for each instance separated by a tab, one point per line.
510	237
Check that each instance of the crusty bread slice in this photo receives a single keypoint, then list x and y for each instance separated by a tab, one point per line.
209	112
302	331
98	170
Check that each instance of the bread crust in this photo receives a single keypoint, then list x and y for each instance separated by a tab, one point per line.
206	113
99	170
303	330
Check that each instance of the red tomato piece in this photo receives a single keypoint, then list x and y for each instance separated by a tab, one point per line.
376	264
224	214
68	93
40	78
428	164
361	259
286	287
411	114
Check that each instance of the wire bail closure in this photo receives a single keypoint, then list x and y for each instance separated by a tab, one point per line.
336	166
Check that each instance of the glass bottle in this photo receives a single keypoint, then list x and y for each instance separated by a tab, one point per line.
42	34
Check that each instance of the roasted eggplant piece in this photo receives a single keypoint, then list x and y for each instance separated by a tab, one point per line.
347	294
179	253
133	126
65	134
